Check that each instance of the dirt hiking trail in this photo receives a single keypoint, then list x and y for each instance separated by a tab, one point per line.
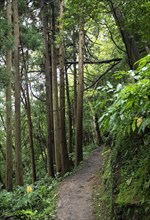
75	194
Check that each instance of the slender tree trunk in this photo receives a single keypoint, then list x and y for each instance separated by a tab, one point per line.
79	119
49	106
28	110
42	144
69	116
3	121
128	39
2	182
96	125
75	77
98	133
19	169
9	160
55	93
2	152
64	152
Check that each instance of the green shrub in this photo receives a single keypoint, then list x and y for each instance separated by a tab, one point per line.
127	120
31	202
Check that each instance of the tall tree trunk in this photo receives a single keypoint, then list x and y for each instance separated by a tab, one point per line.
69	116
64	152
28	110
128	39
55	93
9	160
18	159
49	105
79	119
75	76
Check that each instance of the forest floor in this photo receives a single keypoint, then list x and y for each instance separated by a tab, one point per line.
75	194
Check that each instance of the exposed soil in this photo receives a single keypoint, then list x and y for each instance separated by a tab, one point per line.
75	195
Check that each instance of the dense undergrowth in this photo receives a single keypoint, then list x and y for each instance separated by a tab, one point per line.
126	176
31	202
35	202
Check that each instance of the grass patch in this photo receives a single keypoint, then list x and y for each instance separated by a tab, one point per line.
88	149
101	201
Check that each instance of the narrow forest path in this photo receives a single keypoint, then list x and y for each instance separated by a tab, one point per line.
75	194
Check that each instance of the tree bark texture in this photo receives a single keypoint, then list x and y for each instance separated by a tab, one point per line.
64	151
75	76
9	159
55	93
79	119
49	106
18	157
30	126
98	133
70	133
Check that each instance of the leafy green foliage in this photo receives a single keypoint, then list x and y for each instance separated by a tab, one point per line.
4	77
85	9
88	149
132	103
31	37
23	6
7	40
140	10
127	120
34	202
